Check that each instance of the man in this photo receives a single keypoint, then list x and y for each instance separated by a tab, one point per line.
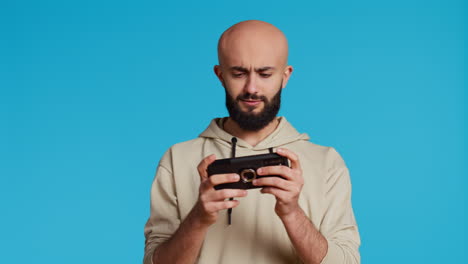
303	217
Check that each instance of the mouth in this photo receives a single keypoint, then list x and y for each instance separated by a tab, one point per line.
251	102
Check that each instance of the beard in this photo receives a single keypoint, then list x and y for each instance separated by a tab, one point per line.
251	121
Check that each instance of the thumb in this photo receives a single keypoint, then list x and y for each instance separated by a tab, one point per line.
204	165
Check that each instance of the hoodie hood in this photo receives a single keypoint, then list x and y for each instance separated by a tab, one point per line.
285	133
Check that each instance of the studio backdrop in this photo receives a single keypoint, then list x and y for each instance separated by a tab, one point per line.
92	93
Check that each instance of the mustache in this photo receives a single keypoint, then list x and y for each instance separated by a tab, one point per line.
249	96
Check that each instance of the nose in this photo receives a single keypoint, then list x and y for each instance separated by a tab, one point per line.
251	85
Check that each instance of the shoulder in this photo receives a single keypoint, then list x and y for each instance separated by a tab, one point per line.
182	151
319	154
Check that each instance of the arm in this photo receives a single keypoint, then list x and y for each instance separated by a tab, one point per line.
336	242
182	243
338	224
309	244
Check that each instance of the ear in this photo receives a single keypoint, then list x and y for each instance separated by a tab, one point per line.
286	74
218	72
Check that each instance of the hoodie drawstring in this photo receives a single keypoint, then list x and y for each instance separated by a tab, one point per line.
233	155
233	147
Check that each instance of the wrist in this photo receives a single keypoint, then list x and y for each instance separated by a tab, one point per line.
293	215
197	219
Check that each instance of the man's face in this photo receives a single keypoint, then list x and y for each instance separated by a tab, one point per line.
255	117
253	70
253	94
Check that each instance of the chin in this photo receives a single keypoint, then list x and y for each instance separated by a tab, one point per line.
250	109
254	111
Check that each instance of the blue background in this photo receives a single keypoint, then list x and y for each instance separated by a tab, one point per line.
94	92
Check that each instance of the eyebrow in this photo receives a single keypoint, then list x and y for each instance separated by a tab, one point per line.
243	69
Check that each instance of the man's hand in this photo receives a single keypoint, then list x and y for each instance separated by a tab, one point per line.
192	231
211	201
308	242
287	190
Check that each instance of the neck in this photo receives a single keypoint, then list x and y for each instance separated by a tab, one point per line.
251	137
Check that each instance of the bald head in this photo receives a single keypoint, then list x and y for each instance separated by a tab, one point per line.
252	42
253	70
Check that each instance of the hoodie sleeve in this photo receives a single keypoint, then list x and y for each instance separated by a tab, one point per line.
164	216
339	225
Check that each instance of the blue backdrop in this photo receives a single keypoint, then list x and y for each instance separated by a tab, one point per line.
94	92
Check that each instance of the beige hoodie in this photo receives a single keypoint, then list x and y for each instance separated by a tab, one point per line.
256	234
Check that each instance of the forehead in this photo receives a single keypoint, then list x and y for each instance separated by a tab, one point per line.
252	56
253	50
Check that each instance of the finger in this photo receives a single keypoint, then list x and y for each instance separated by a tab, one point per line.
283	171
218	206
280	195
213	195
221	195
295	164
216	179
208	191
204	164
275	182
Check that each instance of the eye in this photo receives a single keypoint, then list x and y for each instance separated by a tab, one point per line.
237	74
265	75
